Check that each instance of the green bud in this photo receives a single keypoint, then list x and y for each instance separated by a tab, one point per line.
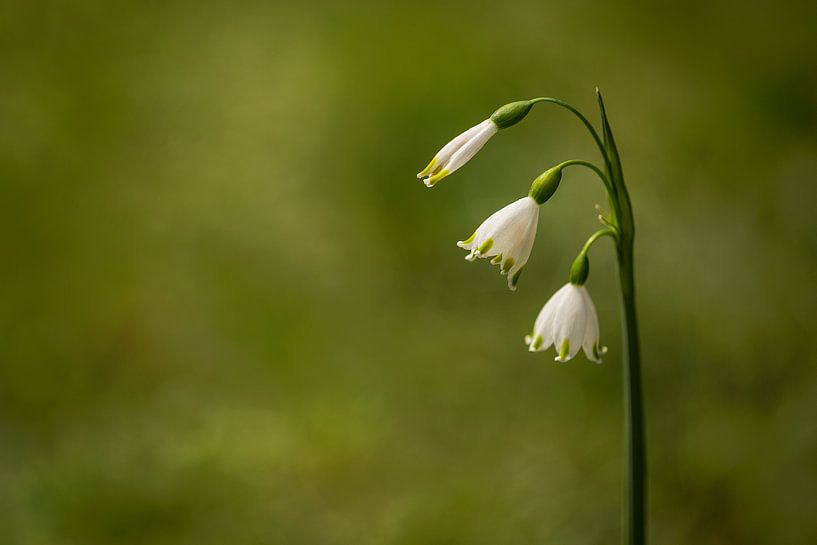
511	114
545	185
580	270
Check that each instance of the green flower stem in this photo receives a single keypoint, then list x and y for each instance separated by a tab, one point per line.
592	130
575	112
589	165
607	232
622	227
581	265
633	404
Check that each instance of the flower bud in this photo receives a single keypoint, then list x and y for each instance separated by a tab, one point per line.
511	114
457	152
545	185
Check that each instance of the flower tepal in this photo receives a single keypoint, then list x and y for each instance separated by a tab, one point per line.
458	152
507	237
568	321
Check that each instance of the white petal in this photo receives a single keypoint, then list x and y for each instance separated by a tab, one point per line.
521	249
472	146
492	228
512	231
591	335
570	321
513	223
543	326
569	315
452	147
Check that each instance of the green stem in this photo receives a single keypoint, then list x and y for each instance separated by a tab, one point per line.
623	228
581	265
589	165
633	404
575	112
611	190
608	231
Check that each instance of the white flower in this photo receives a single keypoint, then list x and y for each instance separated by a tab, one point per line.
567	321
457	152
507	236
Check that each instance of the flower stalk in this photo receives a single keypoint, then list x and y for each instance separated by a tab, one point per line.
633	398
568	321
622	226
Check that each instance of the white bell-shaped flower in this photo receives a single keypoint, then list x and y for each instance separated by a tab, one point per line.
506	236
458	152
568	321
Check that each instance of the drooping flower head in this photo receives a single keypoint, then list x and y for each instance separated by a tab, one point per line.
507	237
462	148
568	321
457	152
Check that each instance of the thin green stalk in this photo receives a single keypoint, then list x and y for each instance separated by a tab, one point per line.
575	112
633	404
622	226
608	232
589	165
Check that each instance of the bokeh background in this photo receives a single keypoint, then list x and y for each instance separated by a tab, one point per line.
231	314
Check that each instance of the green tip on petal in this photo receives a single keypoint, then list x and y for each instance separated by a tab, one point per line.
507	265
497	259
437	177
485	246
515	278
537	342
468	240
426	171
598	351
564	351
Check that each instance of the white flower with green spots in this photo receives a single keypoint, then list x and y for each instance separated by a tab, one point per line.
568	321
458	152
507	237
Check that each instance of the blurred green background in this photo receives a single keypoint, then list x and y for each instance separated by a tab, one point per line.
231	314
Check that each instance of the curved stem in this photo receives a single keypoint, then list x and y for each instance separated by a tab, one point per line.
622	228
581	265
578	114
589	165
609	231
